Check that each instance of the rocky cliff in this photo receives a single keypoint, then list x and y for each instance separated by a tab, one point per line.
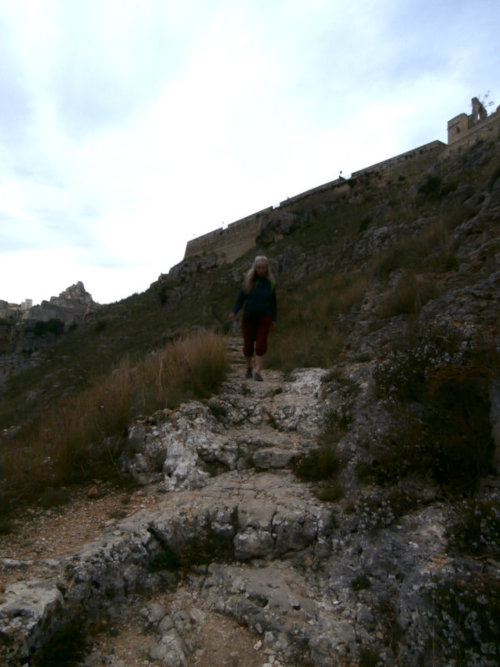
25	328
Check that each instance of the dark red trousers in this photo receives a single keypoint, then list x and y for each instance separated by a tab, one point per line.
255	332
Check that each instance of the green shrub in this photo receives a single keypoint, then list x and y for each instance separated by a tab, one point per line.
369	658
53	326
323	463
438	391
477	530
431	186
330	492
68	646
361	582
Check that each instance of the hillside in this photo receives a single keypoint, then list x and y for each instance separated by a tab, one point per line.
347	512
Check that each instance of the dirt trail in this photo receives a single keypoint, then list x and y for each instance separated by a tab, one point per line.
259	485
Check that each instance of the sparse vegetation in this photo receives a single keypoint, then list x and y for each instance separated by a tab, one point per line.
323	464
466	614
311	332
361	582
408	296
82	437
438	391
429	250
319	464
477	529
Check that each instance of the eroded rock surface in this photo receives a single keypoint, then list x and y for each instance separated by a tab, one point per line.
237	562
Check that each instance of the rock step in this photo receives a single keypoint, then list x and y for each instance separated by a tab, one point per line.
263	426
238	517
255	511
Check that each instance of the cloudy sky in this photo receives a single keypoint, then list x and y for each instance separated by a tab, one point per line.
128	127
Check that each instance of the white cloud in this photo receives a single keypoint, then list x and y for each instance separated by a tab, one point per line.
127	128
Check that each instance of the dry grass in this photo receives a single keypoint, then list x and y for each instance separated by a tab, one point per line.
82	437
408	296
310	331
430	250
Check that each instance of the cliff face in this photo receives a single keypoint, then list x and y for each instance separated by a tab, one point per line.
25	328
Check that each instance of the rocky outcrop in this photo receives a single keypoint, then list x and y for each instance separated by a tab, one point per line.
71	306
28	328
236	535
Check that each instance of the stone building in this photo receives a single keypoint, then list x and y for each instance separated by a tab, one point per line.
464	130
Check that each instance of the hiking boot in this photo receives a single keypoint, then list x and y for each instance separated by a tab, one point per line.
248	374
258	377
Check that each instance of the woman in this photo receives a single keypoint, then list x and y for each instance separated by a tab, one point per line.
259	315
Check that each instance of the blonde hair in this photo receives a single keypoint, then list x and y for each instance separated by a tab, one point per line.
250	277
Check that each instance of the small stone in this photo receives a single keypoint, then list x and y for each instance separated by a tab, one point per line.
197	616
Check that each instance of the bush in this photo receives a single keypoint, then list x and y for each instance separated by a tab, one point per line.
430	186
53	326
319	464
438	391
477	531
323	464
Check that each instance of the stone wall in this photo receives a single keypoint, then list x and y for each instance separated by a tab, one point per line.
227	244
231	242
464	130
14	310
431	150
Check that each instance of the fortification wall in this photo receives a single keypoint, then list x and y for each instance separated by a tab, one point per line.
338	183
429	150
231	242
227	244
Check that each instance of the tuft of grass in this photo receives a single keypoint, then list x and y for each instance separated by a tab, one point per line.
67	646
409	296
317	465
331	492
369	658
360	582
6	525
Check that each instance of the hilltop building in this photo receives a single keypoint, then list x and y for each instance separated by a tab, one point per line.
226	244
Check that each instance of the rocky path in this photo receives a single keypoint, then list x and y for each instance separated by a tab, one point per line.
210	563
222	557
